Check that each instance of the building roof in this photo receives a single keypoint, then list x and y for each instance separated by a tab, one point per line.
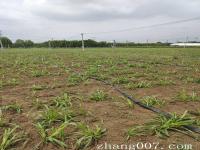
185	44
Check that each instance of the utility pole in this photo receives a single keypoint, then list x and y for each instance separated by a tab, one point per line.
127	43
114	44
49	44
147	43
186	41
65	43
1	41
83	47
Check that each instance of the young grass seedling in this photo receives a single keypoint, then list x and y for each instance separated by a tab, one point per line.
120	80
142	84
55	136
135	131
184	96
13	82
62	101
164	82
38	73
1	84
37	104
87	135
197	81
161	126
2	120
52	115
142	65
132	65
42	131
92	71
37	87
152	101
10	137
98	95
13	107
130	103
75	79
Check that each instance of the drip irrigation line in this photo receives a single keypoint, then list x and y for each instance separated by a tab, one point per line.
139	103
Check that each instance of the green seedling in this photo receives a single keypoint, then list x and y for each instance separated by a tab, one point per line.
87	136
197	81
142	84
38	73
132	65
92	71
164	82
11	137
37	104
184	96
12	82
130	103
162	125
135	131
152	101
37	87
120	80
2	120
98	95
75	79
52	115
55	136
1	84
62	101
13	107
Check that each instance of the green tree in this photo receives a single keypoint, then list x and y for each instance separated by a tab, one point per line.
19	43
28	44
6	42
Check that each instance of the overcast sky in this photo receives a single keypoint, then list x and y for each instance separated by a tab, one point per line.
41	20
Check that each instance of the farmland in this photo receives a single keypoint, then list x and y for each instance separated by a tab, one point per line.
55	98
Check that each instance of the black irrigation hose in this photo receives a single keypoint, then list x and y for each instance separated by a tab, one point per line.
138	102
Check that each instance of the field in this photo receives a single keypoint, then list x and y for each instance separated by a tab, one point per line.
55	98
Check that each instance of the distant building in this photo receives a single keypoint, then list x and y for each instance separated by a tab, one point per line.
185	44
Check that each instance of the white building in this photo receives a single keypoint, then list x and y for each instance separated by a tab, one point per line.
186	44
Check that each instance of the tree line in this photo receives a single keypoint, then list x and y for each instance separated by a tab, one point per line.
7	43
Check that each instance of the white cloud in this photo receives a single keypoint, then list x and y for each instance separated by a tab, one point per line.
43	19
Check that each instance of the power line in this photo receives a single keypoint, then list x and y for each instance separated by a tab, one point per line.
73	36
145	27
